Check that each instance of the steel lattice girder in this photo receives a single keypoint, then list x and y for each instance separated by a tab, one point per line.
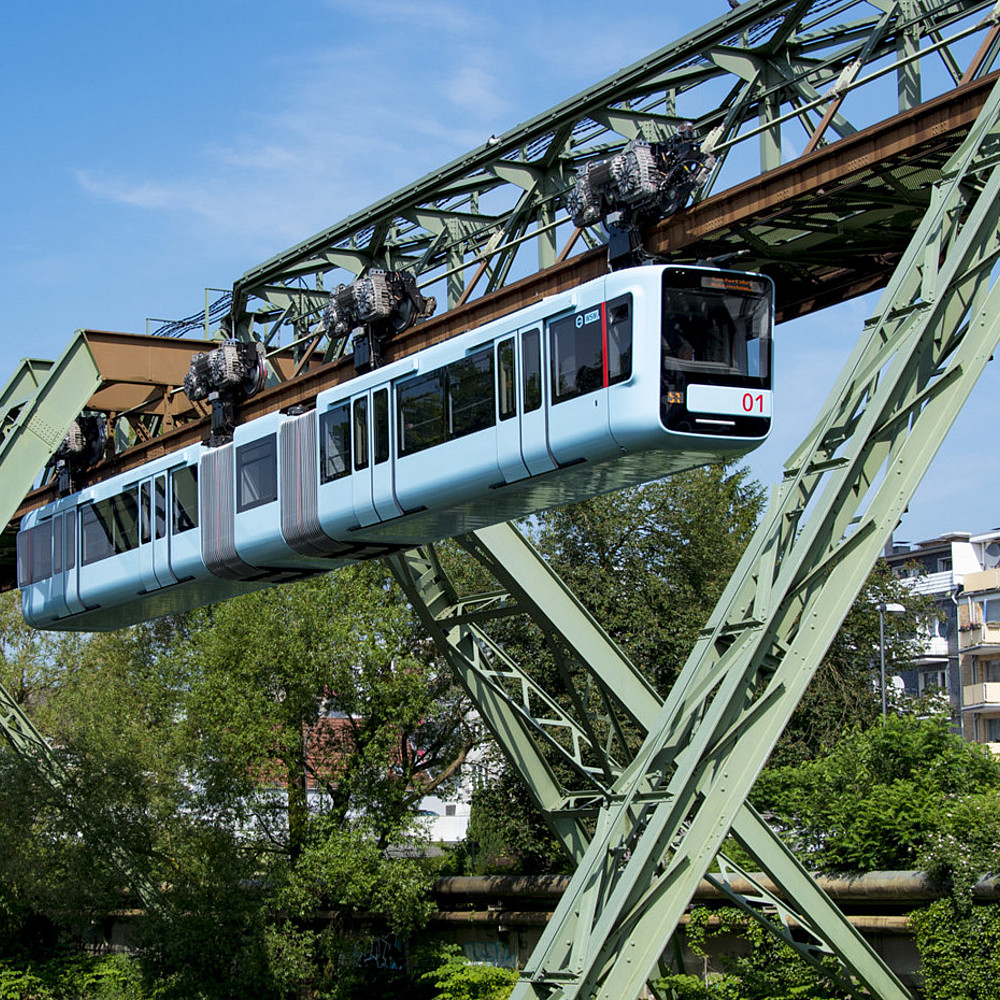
764	66
579	732
664	817
844	491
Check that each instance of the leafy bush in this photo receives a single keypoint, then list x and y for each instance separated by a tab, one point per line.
883	796
458	979
771	970
76	977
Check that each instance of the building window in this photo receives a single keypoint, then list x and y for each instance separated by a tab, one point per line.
933	680
992	726
449	810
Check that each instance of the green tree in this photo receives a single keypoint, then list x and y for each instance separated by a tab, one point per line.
327	684
885	796
650	562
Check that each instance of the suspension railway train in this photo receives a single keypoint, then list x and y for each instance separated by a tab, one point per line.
635	375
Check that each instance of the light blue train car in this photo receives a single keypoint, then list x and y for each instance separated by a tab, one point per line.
632	376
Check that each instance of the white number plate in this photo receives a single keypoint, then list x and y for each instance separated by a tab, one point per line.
729	400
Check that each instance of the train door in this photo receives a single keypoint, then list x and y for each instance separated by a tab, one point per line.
383	467
154	538
361	448
70	573
577	377
534	413
509	456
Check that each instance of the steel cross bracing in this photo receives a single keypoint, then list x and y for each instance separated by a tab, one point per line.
663	813
581	733
768	80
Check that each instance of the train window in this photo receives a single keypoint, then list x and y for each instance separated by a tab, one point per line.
420	404
98	537
144	505
110	526
57	544
70	519
722	322
619	339
34	554
256	474
335	443
125	514
185	482
361	433
577	344
531	356
507	389
470	394
160	507
380	419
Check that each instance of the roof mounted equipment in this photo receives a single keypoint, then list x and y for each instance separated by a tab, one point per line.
372	308
233	372
641	184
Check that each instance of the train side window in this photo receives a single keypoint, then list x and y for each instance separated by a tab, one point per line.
185	484
34	554
420	412
507	387
619	339
380	419
577	346
57	544
144	532
531	355
125	511
110	526
96	532
70	518
361	433
335	443
159	506
471	387
256	474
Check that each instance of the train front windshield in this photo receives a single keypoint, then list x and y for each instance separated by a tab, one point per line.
717	323
716	352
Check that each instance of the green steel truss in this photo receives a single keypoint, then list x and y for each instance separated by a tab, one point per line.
765	82
37	406
646	825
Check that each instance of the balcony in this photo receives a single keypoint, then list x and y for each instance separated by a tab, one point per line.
987	636
984	695
930	583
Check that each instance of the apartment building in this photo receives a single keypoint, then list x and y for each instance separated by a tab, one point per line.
961	651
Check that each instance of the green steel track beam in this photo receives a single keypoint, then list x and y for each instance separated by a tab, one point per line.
789	72
548	734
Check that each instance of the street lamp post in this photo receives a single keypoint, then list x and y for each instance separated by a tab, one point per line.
882	609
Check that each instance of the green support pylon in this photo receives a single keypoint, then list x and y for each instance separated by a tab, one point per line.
37	406
663	819
606	691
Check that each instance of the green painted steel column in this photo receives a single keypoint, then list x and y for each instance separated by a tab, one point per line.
37	408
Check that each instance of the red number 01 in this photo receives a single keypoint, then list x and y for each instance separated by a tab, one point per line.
750	402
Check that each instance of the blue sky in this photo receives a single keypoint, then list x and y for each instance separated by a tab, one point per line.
152	150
